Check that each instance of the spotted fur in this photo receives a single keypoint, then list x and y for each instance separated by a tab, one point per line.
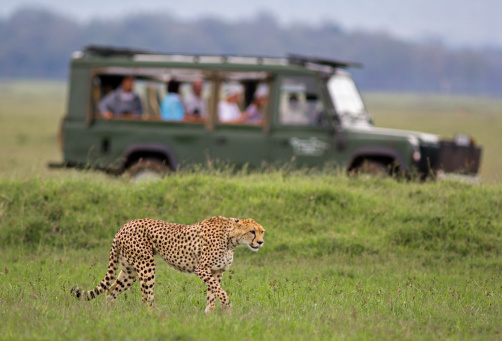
205	249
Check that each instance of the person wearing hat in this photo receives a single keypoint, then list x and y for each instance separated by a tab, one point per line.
255	110
228	109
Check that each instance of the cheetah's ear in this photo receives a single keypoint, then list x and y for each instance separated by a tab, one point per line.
236	229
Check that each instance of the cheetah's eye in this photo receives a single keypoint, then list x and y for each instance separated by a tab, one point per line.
252	232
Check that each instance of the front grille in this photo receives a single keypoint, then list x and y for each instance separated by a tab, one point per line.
459	159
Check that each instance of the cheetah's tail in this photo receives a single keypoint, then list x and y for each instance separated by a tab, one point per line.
105	283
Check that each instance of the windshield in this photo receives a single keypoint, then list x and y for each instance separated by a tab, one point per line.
345	96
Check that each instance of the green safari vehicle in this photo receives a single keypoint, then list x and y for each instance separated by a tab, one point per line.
297	109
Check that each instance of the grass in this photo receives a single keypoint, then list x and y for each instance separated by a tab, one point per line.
365	297
344	258
29	119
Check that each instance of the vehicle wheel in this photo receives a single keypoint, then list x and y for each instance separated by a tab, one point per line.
373	168
149	169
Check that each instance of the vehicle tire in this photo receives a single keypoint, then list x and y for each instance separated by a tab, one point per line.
372	168
148	169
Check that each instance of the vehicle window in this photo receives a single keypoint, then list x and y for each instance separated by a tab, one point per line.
300	102
185	101
243	99
163	95
345	96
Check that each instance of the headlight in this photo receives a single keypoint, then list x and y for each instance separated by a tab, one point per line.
416	156
416	148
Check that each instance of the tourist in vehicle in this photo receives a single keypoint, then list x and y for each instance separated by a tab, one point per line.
228	109
294	111
122	100
255	110
171	108
195	105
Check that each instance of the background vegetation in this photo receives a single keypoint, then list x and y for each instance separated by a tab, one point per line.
42	48
344	258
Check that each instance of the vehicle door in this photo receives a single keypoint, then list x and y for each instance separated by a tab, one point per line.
300	132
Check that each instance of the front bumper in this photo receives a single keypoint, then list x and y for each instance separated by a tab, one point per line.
450	157
454	158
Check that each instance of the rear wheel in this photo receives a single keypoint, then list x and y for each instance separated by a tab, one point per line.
148	169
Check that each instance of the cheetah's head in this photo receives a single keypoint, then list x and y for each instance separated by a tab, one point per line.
248	232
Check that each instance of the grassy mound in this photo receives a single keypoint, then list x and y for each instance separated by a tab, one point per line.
304	214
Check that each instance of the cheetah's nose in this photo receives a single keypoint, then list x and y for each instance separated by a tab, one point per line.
260	243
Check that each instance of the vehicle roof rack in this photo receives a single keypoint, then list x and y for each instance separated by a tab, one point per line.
103	50
303	60
294	59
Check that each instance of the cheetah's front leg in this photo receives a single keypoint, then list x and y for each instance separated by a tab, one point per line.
213	288
217	274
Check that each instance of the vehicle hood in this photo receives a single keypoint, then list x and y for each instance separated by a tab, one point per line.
423	138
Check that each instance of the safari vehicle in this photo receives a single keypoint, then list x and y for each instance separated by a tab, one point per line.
313	115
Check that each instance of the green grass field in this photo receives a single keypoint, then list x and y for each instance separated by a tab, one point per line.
30	115
344	258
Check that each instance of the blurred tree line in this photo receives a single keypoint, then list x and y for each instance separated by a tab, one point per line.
37	44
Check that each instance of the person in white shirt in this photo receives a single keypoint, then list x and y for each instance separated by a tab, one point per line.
228	109
195	105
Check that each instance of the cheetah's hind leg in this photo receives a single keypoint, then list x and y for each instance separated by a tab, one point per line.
76	292
147	280
80	294
125	279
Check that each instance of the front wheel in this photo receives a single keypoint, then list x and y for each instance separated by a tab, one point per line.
371	167
148	169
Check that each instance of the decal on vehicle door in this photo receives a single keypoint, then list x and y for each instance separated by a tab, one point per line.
312	146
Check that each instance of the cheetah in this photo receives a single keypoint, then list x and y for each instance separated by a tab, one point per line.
205	249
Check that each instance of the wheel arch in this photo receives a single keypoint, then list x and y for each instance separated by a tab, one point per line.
384	155
142	151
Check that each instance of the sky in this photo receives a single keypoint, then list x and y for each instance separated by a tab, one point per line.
459	23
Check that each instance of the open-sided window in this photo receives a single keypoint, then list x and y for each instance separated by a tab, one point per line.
243	98
300	102
151	94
